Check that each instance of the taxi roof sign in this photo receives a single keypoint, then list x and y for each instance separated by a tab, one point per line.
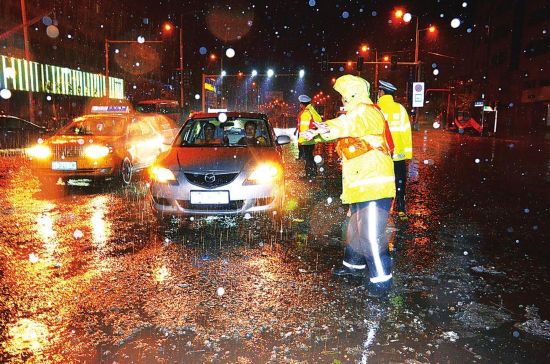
110	109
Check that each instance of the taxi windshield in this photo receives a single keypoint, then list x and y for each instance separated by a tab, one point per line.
235	132
102	126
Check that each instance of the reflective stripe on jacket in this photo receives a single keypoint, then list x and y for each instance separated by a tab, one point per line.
368	176
305	121
400	127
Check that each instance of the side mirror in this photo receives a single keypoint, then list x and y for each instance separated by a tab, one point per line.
283	139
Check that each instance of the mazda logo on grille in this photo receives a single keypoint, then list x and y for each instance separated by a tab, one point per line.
209	178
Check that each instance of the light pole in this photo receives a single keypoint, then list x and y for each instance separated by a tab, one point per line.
107	41
27	54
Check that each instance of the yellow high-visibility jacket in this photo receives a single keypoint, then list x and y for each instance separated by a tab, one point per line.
369	176
400	127
305	121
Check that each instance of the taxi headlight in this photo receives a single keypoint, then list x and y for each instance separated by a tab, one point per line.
39	151
162	175
264	173
96	151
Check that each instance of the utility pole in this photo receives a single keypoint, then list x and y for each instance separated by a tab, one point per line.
181	62
27	54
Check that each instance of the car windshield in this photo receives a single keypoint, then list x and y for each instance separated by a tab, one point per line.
104	125
235	132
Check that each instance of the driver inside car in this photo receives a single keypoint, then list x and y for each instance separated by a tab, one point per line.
250	138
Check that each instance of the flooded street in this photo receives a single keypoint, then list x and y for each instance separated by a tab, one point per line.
87	274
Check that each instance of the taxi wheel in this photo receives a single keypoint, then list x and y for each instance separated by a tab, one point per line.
126	171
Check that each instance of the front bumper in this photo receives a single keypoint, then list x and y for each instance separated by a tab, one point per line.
169	199
102	168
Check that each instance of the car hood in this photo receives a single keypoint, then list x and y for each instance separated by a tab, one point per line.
82	139
216	159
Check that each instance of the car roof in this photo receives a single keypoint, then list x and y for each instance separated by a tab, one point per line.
156	101
230	114
18	118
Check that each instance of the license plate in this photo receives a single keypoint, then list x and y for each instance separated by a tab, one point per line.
63	166
209	197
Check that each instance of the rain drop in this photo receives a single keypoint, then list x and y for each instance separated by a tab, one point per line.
221	291
78	234
312	2
329	200
52	31
426	161
222	117
247	216
230	53
455	23
464	4
374	13
47	21
49	98
197	96
141	39
465	253
435	72
33	258
5	93
477	160
436	125
345	15
515	334
203	50
318	159
526	211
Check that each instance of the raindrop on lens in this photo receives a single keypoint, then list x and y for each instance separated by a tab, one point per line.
78	234
312	2
526	211
435	72
203	50
318	159
455	23
5	93
221	291
436	125
52	31
345	15
33	258
515	334
329	200
197	96
230	53
477	160
465	253
141	39
247	216
222	117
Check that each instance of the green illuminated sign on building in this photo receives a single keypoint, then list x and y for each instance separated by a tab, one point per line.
18	74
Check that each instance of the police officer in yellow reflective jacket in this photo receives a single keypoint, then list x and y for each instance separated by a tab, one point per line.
367	181
400	128
307	118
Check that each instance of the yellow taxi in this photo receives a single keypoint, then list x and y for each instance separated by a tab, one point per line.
109	143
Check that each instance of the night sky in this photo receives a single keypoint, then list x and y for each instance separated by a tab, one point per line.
286	35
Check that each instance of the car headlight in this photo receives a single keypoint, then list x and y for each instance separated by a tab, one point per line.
162	175
96	151
39	151
265	173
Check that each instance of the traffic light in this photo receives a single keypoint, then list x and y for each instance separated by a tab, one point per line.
359	65
393	63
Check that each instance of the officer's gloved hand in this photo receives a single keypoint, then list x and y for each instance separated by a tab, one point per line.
322	128
309	134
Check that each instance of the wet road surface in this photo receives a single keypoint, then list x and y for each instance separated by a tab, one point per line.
88	275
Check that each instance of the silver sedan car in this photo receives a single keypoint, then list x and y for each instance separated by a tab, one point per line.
220	164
